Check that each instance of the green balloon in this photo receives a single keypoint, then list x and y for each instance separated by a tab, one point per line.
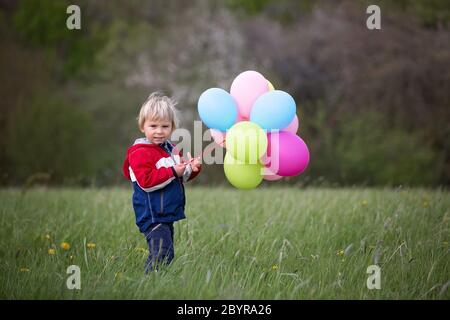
246	141
242	175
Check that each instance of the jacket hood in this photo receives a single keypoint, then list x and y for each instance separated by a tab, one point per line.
141	141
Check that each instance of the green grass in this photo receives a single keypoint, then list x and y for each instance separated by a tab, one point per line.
268	243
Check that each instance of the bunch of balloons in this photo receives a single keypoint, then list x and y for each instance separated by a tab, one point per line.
257	125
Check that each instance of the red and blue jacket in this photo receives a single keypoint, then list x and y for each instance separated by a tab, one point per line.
159	194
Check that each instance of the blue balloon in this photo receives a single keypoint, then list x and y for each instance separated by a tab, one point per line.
273	110
217	109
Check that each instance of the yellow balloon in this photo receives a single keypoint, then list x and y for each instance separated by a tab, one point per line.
242	175
271	87
247	142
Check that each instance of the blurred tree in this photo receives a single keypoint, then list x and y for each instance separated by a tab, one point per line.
42	24
432	14
365	149
50	137
332	59
319	51
23	72
283	11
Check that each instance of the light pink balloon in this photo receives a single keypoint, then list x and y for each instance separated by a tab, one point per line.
270	176
218	136
241	118
293	126
287	154
246	88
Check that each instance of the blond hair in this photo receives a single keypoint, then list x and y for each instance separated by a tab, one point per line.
158	107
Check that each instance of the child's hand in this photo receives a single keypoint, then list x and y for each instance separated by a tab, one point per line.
194	162
179	169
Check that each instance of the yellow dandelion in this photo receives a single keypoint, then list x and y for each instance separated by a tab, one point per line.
340	252
274	267
91	245
47	236
65	245
24	270
140	249
51	251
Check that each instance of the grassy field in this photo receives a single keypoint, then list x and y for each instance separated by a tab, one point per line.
280	243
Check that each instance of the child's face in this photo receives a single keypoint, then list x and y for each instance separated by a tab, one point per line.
157	131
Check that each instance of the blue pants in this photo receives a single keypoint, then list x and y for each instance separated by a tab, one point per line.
160	245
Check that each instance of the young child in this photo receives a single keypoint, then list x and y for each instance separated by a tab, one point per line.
158	172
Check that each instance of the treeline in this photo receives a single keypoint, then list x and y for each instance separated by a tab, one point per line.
373	105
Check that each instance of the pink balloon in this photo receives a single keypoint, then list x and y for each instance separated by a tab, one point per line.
218	136
293	126
287	154
241	118
270	176
246	88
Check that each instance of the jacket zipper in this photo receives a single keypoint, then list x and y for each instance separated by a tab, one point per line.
182	191
150	205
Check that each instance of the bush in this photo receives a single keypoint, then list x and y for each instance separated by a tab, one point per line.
49	137
364	149
42	24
